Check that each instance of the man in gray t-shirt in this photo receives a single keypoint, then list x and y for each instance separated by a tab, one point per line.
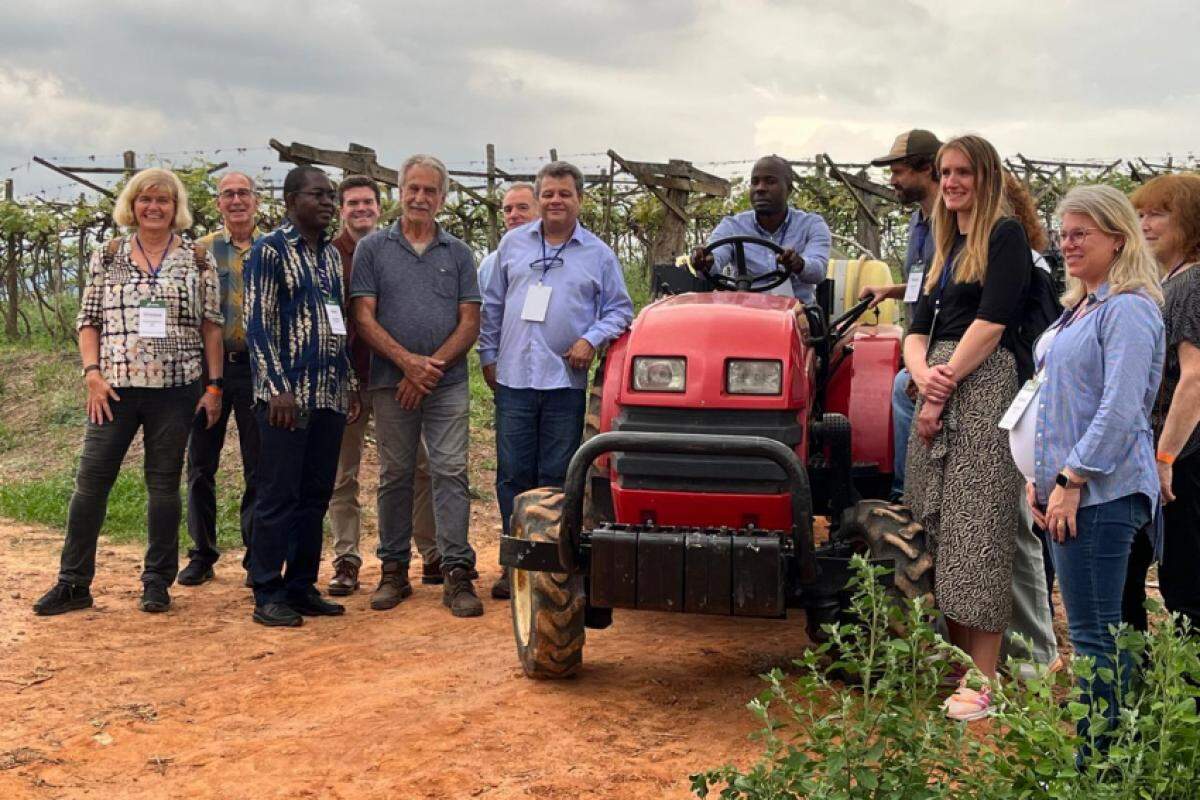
416	301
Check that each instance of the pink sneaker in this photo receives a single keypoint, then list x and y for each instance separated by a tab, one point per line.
954	678
968	705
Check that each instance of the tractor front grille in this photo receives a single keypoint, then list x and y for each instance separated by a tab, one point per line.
690	473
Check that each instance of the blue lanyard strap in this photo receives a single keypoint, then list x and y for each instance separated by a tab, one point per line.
323	280
151	267
1069	318
921	231
546	263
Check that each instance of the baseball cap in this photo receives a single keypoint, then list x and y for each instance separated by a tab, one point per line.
916	142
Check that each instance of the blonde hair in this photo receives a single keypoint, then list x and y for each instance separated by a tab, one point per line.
1134	268
153	178
990	206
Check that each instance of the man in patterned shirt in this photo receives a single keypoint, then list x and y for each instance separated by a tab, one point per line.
230	246
304	385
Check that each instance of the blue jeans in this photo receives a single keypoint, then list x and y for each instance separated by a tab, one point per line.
537	432
902	417
1091	575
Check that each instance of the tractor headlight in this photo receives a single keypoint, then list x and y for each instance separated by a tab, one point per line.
654	374
753	377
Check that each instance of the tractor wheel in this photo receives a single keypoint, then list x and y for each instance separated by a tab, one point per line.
547	608
888	530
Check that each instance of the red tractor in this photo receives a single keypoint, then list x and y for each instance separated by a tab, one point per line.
718	427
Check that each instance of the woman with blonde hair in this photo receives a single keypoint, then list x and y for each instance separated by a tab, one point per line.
962	352
1081	430
1169	209
149	328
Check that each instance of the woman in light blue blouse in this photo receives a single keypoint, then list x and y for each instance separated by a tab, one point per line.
1084	440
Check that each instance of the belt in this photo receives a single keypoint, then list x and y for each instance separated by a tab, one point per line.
237	356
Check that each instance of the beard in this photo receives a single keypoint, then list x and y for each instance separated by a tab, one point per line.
910	195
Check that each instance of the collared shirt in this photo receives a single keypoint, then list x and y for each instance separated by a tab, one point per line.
1093	412
921	249
360	353
116	290
588	300
231	259
802	231
485	268
292	348
417	295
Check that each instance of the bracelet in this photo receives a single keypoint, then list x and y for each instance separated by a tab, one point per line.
213	390
1163	457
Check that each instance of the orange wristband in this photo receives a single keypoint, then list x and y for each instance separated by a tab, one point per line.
213	390
1164	458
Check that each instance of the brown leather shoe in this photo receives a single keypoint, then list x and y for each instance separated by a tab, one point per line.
458	594
393	586
345	578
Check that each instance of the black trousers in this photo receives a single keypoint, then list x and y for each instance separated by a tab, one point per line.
295	478
165	418
204	457
1177	572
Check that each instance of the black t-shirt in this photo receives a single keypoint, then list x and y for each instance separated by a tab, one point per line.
1181	317
1001	298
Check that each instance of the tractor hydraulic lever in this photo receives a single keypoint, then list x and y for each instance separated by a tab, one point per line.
686	444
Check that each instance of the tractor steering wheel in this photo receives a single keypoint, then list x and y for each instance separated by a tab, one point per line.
743	281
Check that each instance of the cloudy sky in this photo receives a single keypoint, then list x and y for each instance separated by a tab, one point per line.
707	80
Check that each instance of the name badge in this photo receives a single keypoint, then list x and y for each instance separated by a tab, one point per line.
1021	402
537	300
152	320
337	323
912	292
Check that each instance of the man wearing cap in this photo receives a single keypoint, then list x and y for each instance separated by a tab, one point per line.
914	177
803	235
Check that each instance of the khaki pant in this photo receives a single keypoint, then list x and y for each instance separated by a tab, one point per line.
345	512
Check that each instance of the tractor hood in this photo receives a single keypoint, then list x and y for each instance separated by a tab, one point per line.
710	329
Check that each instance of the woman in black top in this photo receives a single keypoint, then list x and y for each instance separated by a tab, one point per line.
961	352
1169	207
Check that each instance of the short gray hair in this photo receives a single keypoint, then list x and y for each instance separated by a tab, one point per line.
432	162
559	169
253	183
518	185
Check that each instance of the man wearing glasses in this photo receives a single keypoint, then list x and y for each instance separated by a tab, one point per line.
230	246
556	296
306	392
415	299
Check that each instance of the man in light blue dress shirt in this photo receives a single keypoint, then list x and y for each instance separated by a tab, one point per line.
554	297
803	235
519	206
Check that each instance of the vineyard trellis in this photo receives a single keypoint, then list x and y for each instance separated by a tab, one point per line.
647	211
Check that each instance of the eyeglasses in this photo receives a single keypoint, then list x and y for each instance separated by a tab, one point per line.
319	194
546	264
1076	236
236	194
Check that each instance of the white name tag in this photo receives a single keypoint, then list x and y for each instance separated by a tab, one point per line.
337	324
152	321
537	300
912	292
1021	402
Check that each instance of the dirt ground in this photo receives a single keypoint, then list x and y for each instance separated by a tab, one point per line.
411	703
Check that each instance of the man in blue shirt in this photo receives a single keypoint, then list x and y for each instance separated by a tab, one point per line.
803	235
304	385
556	296
519	206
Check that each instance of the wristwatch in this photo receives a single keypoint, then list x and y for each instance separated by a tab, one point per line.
217	382
1062	480
83	372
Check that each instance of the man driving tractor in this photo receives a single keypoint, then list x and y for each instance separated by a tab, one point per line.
803	235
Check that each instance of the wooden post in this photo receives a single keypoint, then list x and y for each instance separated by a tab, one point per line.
554	154
671	239
130	162
608	203
12	276
493	233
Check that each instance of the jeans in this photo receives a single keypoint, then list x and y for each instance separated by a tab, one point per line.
295	479
1180	553
441	421
204	457
1091	575
537	432
345	511
902	417
165	417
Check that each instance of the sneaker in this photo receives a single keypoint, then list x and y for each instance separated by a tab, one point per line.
277	615
968	705
62	598
955	677
458	594
501	589
345	578
195	573
155	599
313	605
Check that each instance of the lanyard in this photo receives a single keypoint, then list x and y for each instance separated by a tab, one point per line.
1068	319
1176	270
151	267
782	230
920	238
325	281
555	258
943	281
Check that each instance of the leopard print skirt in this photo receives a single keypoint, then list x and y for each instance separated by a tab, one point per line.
966	491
